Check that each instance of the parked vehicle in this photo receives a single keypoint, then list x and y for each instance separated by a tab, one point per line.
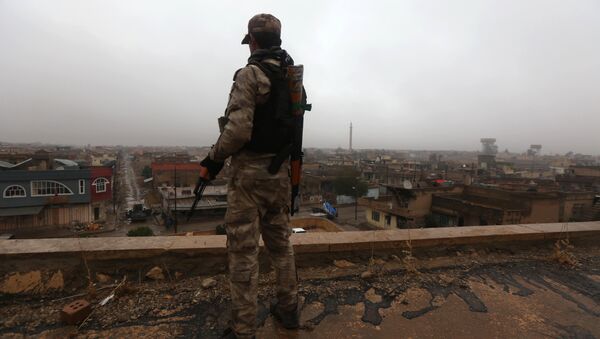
138	213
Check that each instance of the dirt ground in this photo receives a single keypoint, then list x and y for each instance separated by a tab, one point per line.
467	292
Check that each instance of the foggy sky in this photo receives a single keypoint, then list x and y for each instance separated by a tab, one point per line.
407	74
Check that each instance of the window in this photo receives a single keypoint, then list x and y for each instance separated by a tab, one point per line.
81	186
41	188
100	184
401	221
388	219
403	203
14	191
375	215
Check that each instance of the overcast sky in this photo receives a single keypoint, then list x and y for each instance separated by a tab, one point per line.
408	74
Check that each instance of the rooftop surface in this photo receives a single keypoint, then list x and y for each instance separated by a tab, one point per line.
450	287
474	293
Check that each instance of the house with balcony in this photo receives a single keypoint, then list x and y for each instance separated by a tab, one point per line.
63	195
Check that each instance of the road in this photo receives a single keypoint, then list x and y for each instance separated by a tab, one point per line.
132	189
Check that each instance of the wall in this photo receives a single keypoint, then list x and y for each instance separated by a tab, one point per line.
571	199
101	172
382	219
542	211
164	173
591	171
55	215
70	178
419	205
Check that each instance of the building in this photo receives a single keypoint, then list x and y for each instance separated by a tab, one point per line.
581	177
180	199
402	207
477	205
101	190
102	159
482	205
182	174
63	195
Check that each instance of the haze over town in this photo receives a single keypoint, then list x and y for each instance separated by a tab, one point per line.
409	75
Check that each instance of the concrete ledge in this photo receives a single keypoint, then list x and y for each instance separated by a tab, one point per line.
38	266
321	242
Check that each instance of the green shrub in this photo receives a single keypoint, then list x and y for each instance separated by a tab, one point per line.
143	231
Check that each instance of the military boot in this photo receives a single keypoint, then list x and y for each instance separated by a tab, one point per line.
288	319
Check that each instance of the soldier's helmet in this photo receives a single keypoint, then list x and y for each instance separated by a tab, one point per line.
265	23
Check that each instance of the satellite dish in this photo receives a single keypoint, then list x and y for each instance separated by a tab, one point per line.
407	185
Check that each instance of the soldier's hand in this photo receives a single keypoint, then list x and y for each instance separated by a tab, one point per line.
204	173
210	168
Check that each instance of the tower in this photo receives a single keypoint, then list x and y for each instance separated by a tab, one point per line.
350	146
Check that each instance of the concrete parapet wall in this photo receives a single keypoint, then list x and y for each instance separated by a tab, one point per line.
144	247
72	258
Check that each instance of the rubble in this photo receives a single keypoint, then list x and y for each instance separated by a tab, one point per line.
379	261
156	273
343	263
103	278
56	281
208	283
366	274
22	283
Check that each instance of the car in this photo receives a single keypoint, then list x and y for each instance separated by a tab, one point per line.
298	230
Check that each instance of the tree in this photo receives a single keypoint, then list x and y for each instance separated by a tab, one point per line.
348	182
147	172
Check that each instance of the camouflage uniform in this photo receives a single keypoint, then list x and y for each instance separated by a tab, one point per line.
258	202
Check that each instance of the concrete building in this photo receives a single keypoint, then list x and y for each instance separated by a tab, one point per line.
61	196
182	174
180	199
477	205
481	205
402	208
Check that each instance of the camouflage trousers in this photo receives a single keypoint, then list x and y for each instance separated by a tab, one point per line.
258	203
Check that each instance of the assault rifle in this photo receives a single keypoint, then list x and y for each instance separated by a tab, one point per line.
293	151
298	95
198	191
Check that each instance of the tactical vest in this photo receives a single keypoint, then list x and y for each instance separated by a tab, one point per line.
273	122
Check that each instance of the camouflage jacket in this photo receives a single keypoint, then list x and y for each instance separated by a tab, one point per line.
250	88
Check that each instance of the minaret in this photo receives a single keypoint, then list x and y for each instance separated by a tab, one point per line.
350	138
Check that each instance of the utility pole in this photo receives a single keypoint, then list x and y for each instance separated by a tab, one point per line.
355	203
175	189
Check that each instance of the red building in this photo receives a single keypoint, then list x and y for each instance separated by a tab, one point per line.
101	190
185	174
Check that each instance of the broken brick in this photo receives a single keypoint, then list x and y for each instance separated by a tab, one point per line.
76	312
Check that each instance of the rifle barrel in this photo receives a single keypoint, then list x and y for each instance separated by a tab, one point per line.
199	192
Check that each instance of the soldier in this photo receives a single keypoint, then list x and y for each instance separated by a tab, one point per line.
252	133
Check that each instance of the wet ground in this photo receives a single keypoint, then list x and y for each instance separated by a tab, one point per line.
467	292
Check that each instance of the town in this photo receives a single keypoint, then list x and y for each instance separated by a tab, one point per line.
379	234
67	191
307	170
